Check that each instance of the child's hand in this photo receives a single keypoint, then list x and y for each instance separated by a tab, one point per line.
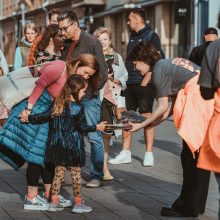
101	126
24	116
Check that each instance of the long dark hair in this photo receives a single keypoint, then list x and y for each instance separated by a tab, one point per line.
50	32
72	87
145	52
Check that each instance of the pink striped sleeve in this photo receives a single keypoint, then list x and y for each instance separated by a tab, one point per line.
49	74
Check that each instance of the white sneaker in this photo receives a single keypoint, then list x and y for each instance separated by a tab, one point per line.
148	159
64	202
123	157
83	208
55	207
36	203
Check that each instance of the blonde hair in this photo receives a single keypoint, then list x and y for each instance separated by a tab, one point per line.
101	31
31	26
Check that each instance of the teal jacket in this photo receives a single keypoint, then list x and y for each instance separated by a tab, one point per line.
25	139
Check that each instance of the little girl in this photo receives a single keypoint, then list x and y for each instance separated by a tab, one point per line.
65	145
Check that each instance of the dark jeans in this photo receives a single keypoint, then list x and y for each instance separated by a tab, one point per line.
192	199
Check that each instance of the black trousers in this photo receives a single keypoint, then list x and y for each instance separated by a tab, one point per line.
34	172
217	176
193	197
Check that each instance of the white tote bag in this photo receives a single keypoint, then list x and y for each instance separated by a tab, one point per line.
16	86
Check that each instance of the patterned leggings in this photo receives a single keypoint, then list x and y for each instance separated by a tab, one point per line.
76	180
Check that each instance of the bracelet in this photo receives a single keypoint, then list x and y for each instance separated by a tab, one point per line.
27	109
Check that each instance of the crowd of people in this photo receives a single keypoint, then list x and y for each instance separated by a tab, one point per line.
69	99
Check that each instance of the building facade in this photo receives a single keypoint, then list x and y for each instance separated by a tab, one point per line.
177	33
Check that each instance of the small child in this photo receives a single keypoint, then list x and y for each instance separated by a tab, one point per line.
65	144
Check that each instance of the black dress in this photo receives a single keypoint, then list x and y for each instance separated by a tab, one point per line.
65	144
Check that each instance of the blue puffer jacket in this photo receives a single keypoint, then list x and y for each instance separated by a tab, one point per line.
26	139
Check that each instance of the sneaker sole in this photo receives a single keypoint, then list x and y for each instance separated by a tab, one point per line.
118	163
65	205
80	212
148	165
55	210
35	208
92	186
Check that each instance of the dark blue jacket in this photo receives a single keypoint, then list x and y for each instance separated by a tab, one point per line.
147	35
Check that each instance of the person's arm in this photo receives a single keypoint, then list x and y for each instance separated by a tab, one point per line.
210	66
210	71
83	127
49	74
123	73
17	58
3	63
166	115
103	73
81	122
41	117
163	107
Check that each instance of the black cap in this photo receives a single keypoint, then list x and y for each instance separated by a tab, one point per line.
211	30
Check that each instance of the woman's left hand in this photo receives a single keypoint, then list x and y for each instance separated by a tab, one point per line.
135	126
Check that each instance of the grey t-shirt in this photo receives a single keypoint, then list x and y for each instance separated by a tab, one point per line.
170	75
210	70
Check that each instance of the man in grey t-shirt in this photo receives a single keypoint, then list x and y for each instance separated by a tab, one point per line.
170	75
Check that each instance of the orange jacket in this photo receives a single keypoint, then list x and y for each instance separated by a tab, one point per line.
192	114
209	156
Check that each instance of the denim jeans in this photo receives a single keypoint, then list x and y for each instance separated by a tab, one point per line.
92	114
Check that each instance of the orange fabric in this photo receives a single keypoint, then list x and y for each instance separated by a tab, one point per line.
32	49
192	114
31	197
46	194
209	157
54	199
78	200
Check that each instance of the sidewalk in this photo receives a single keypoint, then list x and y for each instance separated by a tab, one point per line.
137	192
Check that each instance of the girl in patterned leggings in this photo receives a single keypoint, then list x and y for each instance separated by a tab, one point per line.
65	145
